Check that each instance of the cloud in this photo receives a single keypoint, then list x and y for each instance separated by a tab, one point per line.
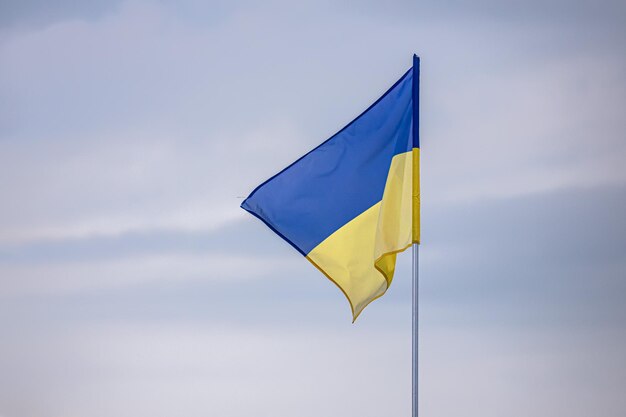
130	182
132	283
163	369
71	277
37	13
129	139
138	369
552	125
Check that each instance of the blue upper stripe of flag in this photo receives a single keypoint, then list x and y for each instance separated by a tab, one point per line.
416	101
341	178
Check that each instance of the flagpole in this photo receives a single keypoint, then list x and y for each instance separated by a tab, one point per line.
416	237
415	345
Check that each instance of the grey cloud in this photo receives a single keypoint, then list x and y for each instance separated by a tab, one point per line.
120	196
504	290
37	13
558	251
554	11
115	94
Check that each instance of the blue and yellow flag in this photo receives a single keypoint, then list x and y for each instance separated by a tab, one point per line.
351	204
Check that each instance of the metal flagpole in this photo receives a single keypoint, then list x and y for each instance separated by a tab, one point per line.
415	297
415	315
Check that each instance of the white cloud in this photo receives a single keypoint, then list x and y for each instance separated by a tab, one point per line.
140	120
547	125
162	370
144	122
133	181
64	278
135	369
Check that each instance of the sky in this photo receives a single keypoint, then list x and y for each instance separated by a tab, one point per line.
132	284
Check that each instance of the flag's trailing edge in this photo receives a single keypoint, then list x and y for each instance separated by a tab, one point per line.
351	204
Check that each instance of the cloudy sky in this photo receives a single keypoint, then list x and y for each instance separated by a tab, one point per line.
131	284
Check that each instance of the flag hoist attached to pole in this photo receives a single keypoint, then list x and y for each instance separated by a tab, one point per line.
352	203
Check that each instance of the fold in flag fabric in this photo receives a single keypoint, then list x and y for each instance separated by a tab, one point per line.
352	203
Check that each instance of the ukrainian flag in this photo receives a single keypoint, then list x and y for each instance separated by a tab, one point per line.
351	204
